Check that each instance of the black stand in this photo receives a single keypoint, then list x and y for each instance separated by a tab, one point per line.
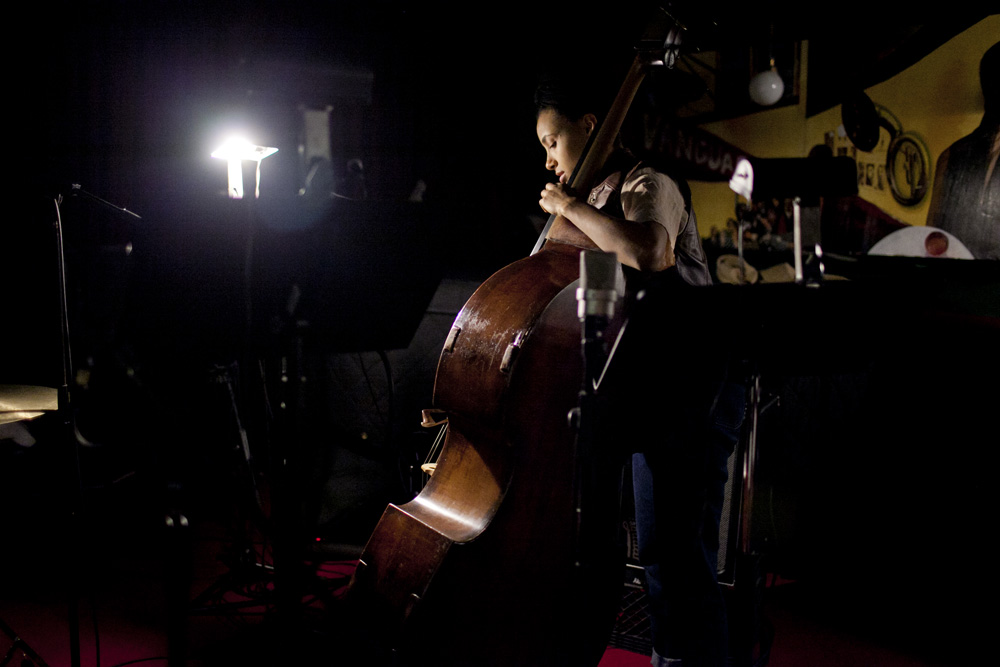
246	570
749	630
596	300
19	646
68	440
289	540
272	589
67	446
248	575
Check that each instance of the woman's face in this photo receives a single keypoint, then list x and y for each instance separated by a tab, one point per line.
563	140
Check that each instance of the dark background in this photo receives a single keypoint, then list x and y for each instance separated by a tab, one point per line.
128	99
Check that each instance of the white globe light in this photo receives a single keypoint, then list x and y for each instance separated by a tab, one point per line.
766	88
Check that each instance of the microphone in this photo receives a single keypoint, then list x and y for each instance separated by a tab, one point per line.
596	299
597	294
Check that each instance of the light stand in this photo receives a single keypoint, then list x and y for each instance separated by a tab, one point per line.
241	156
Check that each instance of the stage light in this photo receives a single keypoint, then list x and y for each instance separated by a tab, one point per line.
235	151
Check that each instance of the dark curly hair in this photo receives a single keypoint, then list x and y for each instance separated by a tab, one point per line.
567	95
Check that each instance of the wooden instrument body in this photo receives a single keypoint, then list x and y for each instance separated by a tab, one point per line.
479	568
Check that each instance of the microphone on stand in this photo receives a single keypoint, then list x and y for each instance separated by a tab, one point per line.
597	297
598	293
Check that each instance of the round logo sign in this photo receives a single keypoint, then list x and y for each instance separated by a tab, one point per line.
908	167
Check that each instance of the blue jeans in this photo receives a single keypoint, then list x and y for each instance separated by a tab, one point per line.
679	484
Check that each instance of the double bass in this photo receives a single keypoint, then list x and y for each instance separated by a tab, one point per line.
487	565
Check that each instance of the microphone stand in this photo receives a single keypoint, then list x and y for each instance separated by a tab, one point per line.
64	410
596	299
77	190
67	437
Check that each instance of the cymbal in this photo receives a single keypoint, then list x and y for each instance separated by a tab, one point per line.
21	401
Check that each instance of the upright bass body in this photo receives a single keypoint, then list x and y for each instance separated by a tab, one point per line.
481	567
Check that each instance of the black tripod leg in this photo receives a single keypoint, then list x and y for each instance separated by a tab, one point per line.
19	646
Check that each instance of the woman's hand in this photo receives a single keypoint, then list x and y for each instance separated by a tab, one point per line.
644	245
556	197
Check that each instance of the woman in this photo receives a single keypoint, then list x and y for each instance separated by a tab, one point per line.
683	416
637	212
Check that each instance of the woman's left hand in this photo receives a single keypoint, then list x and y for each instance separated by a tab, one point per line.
556	197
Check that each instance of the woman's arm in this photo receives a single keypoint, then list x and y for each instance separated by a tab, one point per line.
654	209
